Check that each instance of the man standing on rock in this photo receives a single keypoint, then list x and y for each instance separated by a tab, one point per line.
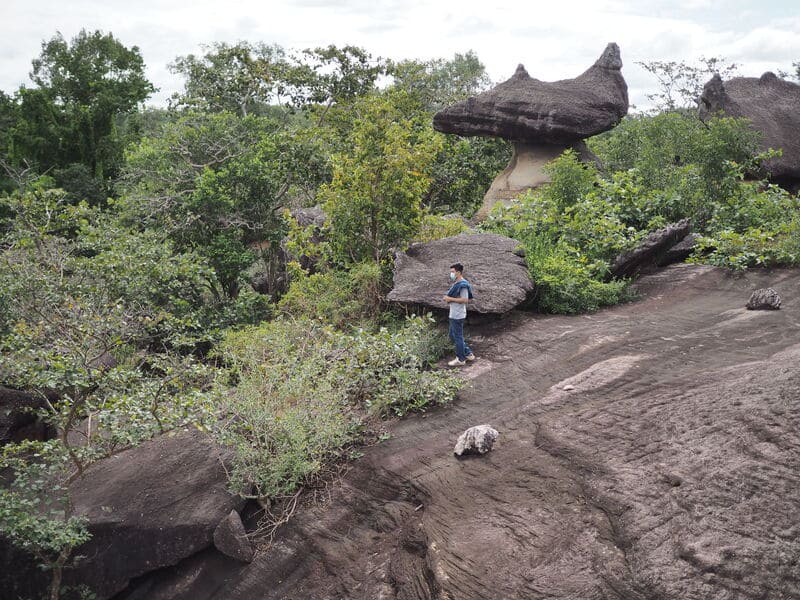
459	294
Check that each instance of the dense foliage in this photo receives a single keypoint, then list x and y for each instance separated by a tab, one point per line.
306	389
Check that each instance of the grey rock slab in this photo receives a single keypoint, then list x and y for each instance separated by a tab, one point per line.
524	109
679	252
492	264
476	440
650	249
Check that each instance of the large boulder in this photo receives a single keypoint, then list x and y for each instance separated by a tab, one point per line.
148	508
773	107
650	250
524	109
492	263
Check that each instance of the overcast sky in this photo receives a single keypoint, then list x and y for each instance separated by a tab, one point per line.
554	40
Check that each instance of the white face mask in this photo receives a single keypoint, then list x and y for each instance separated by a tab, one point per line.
452	276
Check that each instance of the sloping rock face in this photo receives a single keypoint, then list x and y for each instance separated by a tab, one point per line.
148	508
230	538
524	109
651	249
772	105
650	451
498	274
679	252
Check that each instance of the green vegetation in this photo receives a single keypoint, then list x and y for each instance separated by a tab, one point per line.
132	243
657	169
306	389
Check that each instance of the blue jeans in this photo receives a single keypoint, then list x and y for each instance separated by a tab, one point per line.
457	337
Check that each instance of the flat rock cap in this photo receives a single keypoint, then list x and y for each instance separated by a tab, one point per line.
524	109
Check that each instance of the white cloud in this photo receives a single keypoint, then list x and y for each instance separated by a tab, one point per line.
553	40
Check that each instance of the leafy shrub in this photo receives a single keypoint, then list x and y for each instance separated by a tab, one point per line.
687	164
436	227
752	248
335	297
754	206
570	180
305	389
566	283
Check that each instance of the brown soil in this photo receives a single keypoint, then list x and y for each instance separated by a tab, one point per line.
670	469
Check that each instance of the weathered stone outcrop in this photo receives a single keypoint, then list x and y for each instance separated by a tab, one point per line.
476	440
679	252
773	107
492	264
541	118
148	508
650	249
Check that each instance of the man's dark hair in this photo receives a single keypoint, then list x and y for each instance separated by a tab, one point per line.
458	267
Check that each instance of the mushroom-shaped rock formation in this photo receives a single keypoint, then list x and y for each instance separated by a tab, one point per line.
491	262
773	107
541	118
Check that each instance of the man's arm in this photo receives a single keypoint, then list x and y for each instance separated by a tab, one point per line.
463	299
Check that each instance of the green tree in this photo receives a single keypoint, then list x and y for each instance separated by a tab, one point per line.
216	184
81	87
439	83
465	167
680	84
92	313
374	202
237	78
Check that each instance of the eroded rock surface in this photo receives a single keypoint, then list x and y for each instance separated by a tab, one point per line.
651	250
773	107
669	470
498	274
542	119
230	538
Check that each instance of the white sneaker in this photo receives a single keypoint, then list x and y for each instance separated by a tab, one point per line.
457	363
470	357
